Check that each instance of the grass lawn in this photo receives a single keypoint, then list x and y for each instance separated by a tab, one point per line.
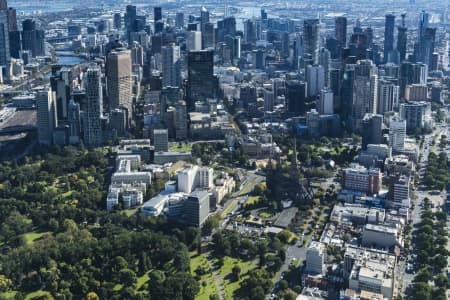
67	194
226	274
180	147
230	207
33	236
265	214
8	295
36	294
248	188
142	280
130	212
211	285
252	200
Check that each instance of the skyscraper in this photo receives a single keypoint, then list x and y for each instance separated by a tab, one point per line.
5	54
92	126
389	35
208	36
117	20
425	49
315	77
311	38
130	17
33	39
171	66
12	19
388	95
364	91
424	19
371	129
180	120
160	140
202	83
46	116
249	31
397	134
340	31
60	82
411	73
193	40
118	76
296	96
225	27
402	39
204	18
74	122
157	18
179	20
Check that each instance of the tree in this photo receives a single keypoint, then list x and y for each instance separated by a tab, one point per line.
441	281
257	293
5	283
236	272
421	291
283	284
92	296
127	277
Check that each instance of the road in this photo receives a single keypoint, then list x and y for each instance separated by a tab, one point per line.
239	198
405	278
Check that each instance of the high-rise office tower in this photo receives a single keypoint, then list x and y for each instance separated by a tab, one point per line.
74	122
157	18
92	125
193	40
47	120
137	54
202	83
161	140
324	61
364	91
388	96
130	17
371	130
296	96
208	36
402	39
348	85
204	18
397	134
389	35
5	53
180	120
340	31
171	66
311	38
315	77
250	31
117	20
118	121
60	82
118	78
325	105
12	19
33	39
425	49
268	99
424	20
411	73
225	27
179	20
